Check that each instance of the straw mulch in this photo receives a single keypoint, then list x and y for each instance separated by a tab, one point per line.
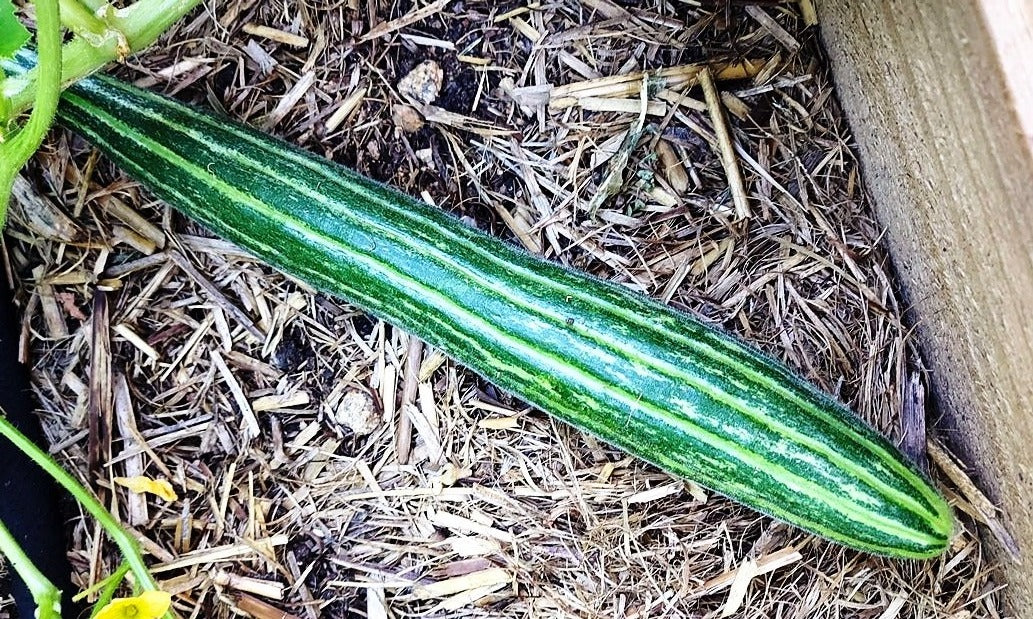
384	479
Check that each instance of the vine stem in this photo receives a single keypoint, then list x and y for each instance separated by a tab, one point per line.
46	596
17	150
78	18
137	26
125	542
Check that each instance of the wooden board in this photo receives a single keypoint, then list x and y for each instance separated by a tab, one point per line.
941	105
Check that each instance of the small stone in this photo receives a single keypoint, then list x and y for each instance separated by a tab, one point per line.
406	118
373	149
423	83
358	413
426	156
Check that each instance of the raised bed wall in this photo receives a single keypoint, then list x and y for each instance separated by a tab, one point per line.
940	100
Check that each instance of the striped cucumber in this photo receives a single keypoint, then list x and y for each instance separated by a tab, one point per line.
655	382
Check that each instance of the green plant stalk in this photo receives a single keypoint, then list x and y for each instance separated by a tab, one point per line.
17	150
129	547
112	581
140	25
78	18
108	587
5	111
44	593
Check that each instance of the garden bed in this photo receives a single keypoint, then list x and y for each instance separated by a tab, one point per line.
388	481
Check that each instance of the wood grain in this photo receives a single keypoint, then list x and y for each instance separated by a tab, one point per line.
941	106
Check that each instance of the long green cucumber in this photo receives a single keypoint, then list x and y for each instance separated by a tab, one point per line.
655	382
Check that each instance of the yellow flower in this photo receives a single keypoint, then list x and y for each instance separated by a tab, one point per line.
147	605
141	484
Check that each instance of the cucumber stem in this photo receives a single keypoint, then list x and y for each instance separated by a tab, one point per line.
46	596
140	25
125	542
17	150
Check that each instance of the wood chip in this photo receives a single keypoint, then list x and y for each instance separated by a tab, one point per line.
135	221
654	494
274	34
289	100
347	106
40	214
673	78
763	565
264	547
264	588
53	316
744	574
259	609
101	398
458	523
671	166
280	400
410	378
485	578
773	27
410	18
623	106
499	423
136	503
250	428
726	146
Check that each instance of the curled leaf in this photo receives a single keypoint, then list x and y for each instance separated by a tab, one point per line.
142	484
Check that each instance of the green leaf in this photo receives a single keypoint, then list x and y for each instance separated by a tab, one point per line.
12	33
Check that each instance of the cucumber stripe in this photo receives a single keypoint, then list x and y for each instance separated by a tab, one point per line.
711	349
658	384
229	151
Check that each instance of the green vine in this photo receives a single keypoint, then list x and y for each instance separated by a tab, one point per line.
44	593
101	34
15	151
125	542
